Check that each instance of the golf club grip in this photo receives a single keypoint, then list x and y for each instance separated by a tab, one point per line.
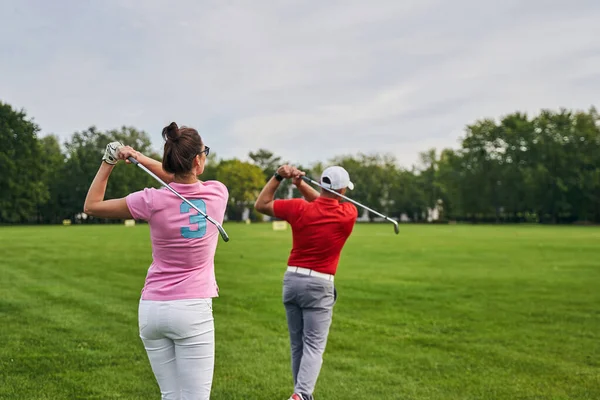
218	225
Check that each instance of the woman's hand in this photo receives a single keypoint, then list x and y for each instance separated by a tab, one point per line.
111	152
127	151
95	205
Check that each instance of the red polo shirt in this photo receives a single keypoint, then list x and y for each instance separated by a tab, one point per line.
320	229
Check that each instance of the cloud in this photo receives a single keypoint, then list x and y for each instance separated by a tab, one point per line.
306	80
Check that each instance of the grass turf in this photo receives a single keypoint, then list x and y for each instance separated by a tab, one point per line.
437	312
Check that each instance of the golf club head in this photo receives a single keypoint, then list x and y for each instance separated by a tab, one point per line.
223	233
396	228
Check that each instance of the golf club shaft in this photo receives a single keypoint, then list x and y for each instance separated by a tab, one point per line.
152	174
307	179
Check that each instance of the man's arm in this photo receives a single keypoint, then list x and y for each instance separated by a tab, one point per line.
264	202
153	165
307	191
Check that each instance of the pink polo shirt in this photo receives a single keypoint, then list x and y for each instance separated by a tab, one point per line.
183	242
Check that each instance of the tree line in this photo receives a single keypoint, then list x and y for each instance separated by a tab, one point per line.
543	169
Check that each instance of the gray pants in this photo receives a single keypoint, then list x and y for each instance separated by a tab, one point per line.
308	302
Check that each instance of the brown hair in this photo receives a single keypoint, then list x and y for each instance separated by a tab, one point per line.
181	146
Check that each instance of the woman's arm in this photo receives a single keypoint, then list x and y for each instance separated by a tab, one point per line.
153	165
96	206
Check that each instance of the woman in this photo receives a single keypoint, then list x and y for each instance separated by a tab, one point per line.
175	311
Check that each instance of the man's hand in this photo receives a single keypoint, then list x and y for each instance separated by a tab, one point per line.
285	171
297	176
125	152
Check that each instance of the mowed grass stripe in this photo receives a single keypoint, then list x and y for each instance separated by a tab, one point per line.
437	312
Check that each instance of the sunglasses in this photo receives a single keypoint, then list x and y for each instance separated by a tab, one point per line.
206	150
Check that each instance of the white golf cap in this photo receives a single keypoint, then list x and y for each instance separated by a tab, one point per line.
336	178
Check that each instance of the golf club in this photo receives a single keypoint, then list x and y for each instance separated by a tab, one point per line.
396	228
209	219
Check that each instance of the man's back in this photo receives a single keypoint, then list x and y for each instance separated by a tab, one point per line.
320	230
321	225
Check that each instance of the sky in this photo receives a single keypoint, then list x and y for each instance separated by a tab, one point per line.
307	80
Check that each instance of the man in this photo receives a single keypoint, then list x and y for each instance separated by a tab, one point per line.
321	224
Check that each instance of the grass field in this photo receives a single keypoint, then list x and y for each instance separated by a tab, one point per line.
437	312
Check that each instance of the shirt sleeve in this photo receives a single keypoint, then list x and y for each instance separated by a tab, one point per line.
140	204
224	200
352	214
288	210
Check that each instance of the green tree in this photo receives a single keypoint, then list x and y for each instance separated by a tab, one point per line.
516	130
481	154
266	161
244	182
210	168
407	195
53	161
317	169
585	193
519	169
427	177
450	177
22	188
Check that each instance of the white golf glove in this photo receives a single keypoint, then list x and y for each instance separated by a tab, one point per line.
111	152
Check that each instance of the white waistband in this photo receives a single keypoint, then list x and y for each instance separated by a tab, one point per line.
310	272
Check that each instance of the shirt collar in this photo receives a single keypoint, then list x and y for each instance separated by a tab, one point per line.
327	200
185	186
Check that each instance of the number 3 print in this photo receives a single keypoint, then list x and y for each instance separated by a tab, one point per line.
197	220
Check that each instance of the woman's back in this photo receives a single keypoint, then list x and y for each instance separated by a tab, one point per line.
175	317
183	243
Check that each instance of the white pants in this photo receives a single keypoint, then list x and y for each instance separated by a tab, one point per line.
179	337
